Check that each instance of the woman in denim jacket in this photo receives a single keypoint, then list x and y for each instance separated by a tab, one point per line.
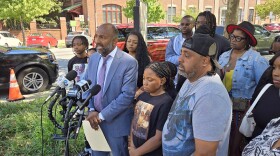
242	69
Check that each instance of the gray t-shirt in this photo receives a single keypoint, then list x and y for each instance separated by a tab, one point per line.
202	110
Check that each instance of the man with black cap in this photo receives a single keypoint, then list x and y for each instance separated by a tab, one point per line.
199	120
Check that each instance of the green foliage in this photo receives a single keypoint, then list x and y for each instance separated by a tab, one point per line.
192	12
27	10
264	9
155	11
20	131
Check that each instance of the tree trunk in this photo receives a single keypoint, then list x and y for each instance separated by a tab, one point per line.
232	13
22	31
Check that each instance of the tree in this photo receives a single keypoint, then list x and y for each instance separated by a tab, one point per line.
192	12
155	11
263	10
25	11
231	14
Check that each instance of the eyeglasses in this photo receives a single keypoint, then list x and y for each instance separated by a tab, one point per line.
185	24
237	38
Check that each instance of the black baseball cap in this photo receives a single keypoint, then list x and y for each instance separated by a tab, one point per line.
204	45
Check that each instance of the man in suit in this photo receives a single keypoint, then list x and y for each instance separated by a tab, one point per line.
113	110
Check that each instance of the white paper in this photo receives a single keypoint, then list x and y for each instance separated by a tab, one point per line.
95	138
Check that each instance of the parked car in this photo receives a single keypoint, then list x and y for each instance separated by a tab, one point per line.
71	35
44	39
35	68
158	36
272	27
264	37
8	40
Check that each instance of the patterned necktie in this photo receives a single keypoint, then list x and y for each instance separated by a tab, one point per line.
101	79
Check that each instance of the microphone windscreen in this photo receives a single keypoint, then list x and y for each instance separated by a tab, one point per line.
71	75
89	82
95	89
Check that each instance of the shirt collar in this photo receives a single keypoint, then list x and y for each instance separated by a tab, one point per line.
243	57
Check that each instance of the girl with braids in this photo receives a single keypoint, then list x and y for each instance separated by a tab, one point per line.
151	111
79	61
136	47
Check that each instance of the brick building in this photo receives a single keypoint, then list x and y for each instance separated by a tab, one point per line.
97	12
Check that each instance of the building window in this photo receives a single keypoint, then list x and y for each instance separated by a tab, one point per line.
251	15
192	9
171	13
208	9
112	13
223	17
240	15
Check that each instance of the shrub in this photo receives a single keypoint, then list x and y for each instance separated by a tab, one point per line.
20	131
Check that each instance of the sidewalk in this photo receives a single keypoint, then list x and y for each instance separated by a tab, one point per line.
28	97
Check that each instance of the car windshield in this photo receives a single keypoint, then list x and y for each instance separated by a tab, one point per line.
75	33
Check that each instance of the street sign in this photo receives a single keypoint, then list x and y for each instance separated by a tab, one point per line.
73	23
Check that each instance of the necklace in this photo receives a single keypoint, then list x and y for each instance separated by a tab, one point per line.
232	60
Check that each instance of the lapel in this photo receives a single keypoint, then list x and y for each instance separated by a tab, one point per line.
113	69
95	68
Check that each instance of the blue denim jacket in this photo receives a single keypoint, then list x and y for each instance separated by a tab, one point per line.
247	72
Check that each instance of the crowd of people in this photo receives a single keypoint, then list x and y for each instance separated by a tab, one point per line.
192	103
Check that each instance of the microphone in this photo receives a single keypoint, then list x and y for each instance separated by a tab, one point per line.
64	82
93	91
80	87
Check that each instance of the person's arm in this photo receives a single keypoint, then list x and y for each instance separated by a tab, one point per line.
126	97
205	148
149	146
170	54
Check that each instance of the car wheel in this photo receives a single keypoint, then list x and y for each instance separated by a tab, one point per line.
68	46
32	80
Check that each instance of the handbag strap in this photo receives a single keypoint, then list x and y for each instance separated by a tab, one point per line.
257	99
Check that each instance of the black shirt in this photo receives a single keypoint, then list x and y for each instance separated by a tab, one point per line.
223	44
76	60
267	108
161	105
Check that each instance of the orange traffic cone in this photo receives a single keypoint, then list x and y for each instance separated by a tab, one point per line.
14	92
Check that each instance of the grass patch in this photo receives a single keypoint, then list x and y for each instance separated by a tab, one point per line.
20	131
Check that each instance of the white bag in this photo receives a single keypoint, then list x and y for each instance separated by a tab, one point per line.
248	123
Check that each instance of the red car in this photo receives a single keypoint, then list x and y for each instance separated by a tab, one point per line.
158	36
272	27
44	39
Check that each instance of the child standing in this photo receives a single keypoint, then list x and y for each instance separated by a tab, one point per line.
151	111
79	61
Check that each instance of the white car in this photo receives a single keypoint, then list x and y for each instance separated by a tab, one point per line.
71	35
8	40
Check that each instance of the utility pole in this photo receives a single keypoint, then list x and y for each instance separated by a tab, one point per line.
136	16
